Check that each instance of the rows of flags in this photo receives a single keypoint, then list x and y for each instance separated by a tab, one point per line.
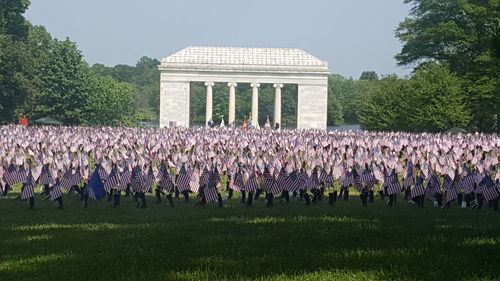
190	159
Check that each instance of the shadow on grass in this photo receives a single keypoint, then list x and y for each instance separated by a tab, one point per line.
287	242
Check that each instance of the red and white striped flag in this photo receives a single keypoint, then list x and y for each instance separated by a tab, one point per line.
183	179
113	180
55	192
28	188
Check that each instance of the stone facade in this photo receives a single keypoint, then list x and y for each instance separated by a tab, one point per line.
244	65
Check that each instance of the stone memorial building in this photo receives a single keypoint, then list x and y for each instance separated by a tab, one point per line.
255	66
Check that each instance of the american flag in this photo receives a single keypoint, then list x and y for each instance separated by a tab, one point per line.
489	190
113	180
357	180
28	189
477	177
347	179
205	177
55	192
238	181
271	184
102	173
408	178
283	179
45	177
124	178
137	180
161	170
36	171
450	187
467	184
66	180
293	182
183	179
387	179
490	193
194	184
323	177
147	180
22	175
76	178
216	176
210	192
251	184
302	178
166	181
433	187
11	176
418	189
312	182
394	187
368	178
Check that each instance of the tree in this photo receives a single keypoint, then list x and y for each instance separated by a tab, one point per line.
58	83
346	95
432	100
369	75
63	84
289	105
462	35
12	21
335	114
385	107
107	103
14	76
437	100
144	77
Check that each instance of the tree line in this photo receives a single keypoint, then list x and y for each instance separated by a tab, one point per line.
41	76
454	47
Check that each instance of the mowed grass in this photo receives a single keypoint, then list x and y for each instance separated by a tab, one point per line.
285	242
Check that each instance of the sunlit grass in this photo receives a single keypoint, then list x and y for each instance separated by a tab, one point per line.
237	242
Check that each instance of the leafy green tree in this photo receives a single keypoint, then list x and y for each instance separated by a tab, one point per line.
14	76
346	95
197	101
62	85
437	100
335	114
145	78
368	75
386	106
243	102
22	64
220	103
12	21
463	35
289	105
432	100
107	103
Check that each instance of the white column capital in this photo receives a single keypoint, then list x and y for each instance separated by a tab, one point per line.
277	85
209	84
232	84
255	85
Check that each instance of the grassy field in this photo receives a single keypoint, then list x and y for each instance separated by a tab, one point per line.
285	242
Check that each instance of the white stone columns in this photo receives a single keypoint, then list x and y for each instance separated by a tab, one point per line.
277	105
255	104
208	112
232	103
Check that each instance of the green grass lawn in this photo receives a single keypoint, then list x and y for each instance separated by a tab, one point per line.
285	242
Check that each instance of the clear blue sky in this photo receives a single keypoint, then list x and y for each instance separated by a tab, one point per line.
352	35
